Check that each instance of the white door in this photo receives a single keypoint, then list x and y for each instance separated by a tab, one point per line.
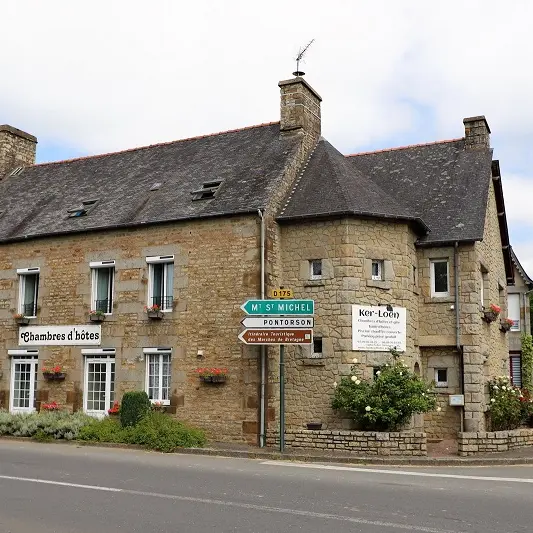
23	384
99	389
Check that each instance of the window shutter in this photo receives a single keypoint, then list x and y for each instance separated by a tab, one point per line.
516	370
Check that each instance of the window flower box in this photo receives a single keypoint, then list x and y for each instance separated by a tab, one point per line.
96	315
54	374
52	406
491	314
21	319
154	312
506	324
212	375
159	407
115	410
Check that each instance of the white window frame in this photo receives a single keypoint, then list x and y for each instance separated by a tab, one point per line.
380	269
95	267
317	355
22	274
313	262
152	260
23	357
441	383
516	321
434	293
107	357
160	352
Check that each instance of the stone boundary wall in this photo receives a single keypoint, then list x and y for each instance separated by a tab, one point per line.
356	442
493	441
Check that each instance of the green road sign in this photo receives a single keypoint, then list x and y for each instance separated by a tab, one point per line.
279	307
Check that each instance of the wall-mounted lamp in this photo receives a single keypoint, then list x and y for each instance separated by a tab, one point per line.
388	306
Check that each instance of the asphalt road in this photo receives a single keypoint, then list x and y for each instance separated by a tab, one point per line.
53	488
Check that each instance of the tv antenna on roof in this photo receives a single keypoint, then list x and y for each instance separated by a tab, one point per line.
300	56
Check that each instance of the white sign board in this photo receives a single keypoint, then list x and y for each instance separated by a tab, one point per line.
60	335
457	399
374	329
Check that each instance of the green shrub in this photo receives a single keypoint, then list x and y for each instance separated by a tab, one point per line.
527	361
386	403
156	431
135	405
509	407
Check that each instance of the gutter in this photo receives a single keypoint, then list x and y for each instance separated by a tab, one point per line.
263	359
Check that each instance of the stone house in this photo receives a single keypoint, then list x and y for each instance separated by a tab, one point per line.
519	312
199	225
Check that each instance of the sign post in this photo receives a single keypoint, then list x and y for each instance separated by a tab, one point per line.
282	398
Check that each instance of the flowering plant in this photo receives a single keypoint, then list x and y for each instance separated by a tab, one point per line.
18	316
53	370
509	406
52	406
96	312
152	308
508	322
115	410
495	308
211	372
387	402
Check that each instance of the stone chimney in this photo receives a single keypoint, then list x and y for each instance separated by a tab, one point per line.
477	133
300	110
17	149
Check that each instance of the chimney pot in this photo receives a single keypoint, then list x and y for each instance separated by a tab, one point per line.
477	133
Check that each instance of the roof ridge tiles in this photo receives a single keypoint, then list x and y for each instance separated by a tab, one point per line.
405	147
166	143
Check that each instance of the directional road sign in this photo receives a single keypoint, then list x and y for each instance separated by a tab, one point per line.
277	336
278	322
279	307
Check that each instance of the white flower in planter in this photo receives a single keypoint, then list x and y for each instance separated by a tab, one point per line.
401	373
378	372
439	409
357	382
492	400
354	378
335	384
495	387
354	360
368	408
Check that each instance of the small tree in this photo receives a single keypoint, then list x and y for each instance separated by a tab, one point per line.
527	362
509	407
388	402
135	405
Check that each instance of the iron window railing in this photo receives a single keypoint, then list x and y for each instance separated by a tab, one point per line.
164	302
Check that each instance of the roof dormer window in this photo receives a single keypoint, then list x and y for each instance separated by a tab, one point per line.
208	190
82	210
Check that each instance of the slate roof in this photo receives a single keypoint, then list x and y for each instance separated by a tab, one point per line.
440	184
332	186
249	161
527	280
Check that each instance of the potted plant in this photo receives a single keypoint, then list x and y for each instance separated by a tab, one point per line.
21	319
212	375
96	315
54	373
115	410
52	406
491	314
154	312
506	324
159	407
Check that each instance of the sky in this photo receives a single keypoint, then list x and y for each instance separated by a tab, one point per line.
91	77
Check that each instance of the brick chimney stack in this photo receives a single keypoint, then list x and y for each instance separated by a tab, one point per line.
300	110
17	149
477	133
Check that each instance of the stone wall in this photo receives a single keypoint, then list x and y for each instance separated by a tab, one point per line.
357	442
216	268
495	441
17	149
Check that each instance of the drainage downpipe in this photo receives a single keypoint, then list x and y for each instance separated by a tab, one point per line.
263	359
458	326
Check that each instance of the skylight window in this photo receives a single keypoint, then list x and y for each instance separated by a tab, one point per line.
155	187
82	210
208	190
15	171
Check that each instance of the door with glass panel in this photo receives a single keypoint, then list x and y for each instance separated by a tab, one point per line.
23	384
99	390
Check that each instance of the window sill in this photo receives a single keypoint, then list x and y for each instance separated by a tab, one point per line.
314	283
439	300
313	361
380	284
161	402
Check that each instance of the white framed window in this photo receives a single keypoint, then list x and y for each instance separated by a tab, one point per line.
377	269
102	286
99	381
28	291
158	374
513	302
317	352
315	269
440	278
161	281
441	377
23	385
